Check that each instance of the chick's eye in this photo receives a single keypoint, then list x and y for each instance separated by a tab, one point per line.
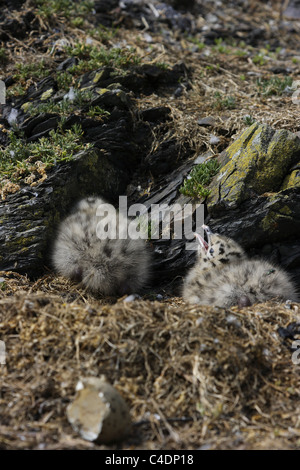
211	250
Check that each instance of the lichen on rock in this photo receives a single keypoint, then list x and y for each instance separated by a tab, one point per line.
256	163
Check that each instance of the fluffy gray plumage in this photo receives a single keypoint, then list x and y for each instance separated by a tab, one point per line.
109	266
223	276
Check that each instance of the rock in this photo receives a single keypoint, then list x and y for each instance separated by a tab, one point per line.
157	114
98	412
207	121
110	98
46	125
36	124
256	163
292	10
69	62
165	159
43	90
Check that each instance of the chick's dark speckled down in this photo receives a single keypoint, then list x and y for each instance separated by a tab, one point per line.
104	266
224	276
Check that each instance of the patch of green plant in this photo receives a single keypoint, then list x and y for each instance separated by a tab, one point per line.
222	102
3	56
240	52
103	34
77	22
92	57
64	80
20	158
248	120
34	70
162	65
197	42
96	111
2	285
82	97
274	85
195	185
220	47
295	60
51	9
15	90
63	107
259	59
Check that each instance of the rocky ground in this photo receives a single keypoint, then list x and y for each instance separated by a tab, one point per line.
126	98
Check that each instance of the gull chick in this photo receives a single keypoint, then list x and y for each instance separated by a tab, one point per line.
224	276
103	266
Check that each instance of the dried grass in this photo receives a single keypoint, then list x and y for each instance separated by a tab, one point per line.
193	376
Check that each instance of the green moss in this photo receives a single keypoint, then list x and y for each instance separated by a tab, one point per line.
285	210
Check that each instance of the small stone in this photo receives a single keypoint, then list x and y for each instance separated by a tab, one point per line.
66	64
207	121
178	91
99	413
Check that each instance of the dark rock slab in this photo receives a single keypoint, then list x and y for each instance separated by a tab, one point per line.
35	124
157	114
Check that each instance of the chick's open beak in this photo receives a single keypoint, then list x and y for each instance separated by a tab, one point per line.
208	233
202	242
204	245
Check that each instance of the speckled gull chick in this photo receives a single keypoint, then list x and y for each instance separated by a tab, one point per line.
103	266
224	276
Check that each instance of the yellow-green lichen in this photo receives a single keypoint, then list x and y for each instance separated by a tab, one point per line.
86	88
26	106
279	213
255	164
47	94
292	180
98	76
102	91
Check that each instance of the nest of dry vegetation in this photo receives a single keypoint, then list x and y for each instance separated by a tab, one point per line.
194	377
